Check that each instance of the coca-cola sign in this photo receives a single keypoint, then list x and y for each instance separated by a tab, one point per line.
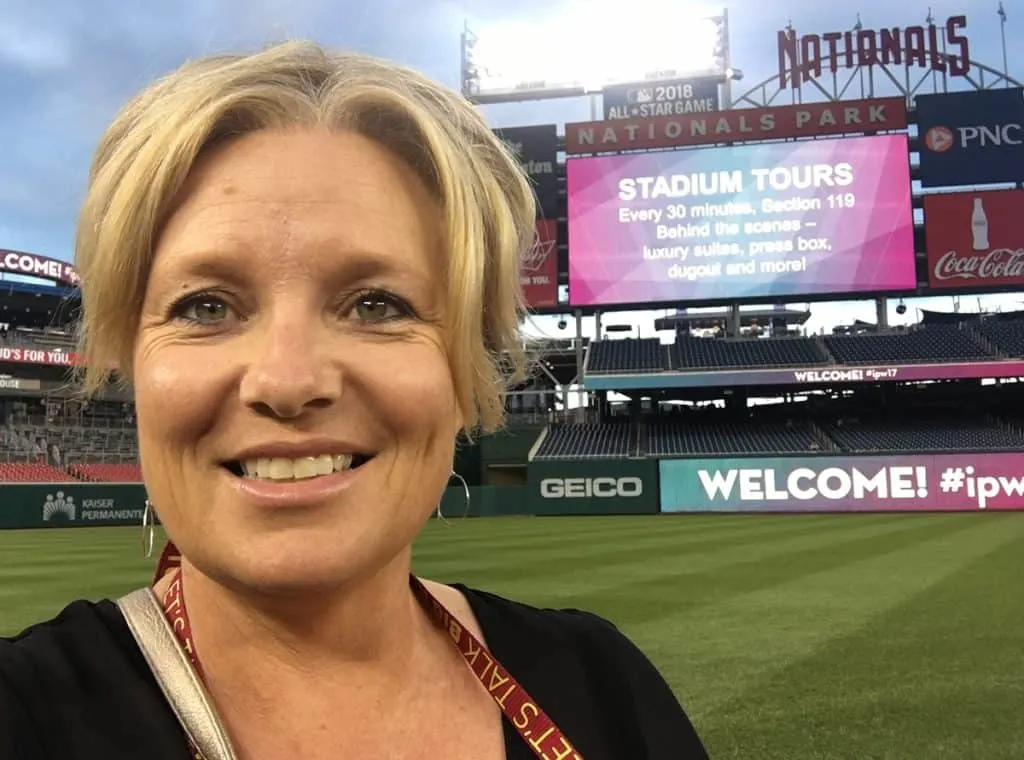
994	265
975	240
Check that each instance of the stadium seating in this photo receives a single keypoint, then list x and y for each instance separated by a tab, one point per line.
102	472
684	438
598	441
630	355
48	339
32	472
1005	337
924	435
707	353
942	343
972	341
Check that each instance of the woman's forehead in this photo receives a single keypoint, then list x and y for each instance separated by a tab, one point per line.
302	197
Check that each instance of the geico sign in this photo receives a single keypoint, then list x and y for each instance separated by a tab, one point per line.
585	488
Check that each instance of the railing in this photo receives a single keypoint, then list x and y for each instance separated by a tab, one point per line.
40	422
70	458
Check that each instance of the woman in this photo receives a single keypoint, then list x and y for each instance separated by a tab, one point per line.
305	265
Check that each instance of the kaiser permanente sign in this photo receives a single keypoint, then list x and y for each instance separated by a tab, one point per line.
69	505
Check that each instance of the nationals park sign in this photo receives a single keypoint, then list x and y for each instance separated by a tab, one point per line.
738	125
804	58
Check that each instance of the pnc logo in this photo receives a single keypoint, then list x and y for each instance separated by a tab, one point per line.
587	488
939	139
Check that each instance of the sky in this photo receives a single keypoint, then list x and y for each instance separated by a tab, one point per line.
66	67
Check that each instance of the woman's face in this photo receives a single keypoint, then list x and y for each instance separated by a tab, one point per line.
296	411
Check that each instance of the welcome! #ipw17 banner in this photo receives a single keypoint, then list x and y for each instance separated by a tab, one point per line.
751	221
941	482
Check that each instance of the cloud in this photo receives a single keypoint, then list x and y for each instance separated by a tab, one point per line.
66	66
31	48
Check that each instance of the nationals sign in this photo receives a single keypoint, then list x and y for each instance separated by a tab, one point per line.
804	58
738	125
975	240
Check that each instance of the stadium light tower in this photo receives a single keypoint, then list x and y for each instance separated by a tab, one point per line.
588	44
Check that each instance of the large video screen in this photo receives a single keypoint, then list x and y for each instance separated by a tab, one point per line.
752	221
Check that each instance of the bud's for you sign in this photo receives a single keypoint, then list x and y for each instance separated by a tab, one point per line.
975	240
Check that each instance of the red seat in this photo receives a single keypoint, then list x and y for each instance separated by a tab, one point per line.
109	473
32	472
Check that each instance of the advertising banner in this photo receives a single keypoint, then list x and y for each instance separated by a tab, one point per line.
537	148
674	98
69	505
975	240
939	482
31	265
538	274
755	221
836	375
37	356
737	125
594	486
971	138
8	383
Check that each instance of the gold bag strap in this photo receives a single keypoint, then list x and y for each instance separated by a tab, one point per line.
173	671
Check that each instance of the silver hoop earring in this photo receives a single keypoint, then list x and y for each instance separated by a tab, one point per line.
148	530
465	487
465	490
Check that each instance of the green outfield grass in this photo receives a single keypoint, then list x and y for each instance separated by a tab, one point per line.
861	637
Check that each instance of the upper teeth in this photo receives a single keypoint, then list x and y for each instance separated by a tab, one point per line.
279	468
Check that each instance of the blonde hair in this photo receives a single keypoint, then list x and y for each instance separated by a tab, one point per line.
147	153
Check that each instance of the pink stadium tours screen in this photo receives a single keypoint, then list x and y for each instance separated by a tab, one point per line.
754	221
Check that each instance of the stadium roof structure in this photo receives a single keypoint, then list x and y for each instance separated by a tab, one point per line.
955	317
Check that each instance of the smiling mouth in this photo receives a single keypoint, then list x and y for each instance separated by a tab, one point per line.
281	469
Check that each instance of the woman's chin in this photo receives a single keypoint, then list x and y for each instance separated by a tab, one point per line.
296	566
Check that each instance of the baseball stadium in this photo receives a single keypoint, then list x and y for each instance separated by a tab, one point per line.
813	525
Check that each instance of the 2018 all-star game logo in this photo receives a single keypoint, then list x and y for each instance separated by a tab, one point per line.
59	508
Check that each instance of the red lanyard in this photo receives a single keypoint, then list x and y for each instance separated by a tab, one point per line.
537	729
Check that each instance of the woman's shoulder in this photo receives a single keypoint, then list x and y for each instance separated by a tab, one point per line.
62	678
81	632
586	674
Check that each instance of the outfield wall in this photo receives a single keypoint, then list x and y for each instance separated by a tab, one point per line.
587	487
826	483
64	505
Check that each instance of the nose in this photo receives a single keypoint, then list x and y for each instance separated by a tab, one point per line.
290	370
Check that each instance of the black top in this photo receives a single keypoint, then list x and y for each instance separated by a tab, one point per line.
77	687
